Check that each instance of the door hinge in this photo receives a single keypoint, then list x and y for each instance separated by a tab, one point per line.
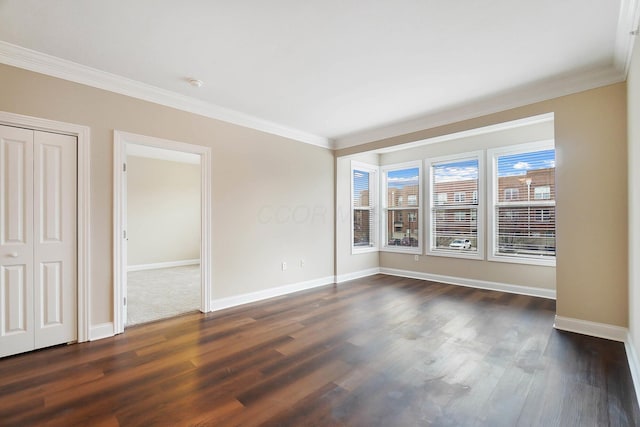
124	234
124	167
125	300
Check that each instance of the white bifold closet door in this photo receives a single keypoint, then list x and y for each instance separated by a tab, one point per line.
38	244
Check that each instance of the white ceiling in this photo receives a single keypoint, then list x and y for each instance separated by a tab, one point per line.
330	72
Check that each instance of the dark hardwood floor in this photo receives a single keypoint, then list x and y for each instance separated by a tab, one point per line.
380	351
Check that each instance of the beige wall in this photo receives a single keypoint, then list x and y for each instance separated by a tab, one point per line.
633	102
258	180
591	178
163	211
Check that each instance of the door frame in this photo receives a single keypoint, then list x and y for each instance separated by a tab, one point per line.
120	141
83	136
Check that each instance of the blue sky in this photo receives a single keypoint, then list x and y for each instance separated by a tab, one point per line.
401	178
519	164
456	171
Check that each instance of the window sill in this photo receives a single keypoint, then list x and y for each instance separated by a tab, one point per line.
454	253
355	250
523	260
408	250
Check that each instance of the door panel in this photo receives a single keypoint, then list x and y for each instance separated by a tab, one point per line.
16	240
55	246
51	290
51	187
16	184
15	293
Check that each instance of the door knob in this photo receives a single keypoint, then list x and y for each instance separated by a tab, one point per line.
13	255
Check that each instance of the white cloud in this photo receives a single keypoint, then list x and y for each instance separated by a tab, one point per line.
522	165
403	180
452	174
358	174
550	163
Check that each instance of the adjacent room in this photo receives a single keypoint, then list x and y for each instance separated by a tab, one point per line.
163	233
320	213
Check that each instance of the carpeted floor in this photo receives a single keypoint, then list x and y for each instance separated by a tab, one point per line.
162	293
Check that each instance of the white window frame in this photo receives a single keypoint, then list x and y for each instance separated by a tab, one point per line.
384	170
492	160
547	193
512	192
434	202
373	171
459	196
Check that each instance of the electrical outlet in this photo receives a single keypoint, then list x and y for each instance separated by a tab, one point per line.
416	258
284	266
301	263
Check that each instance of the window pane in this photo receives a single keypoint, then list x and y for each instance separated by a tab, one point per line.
454	212
527	176
360	188
363	208
402	227
403	188
361	227
542	193
526	231
450	225
456	182
525	215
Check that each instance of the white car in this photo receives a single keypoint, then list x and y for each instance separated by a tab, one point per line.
460	244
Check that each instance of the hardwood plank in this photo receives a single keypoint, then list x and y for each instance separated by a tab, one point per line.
377	351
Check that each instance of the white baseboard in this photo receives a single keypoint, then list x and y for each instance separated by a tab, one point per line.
357	274
219	304
167	264
100	331
594	329
634	364
473	283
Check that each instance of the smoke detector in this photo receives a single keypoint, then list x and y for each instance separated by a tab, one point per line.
195	82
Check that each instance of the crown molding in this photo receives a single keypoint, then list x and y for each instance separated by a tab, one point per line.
627	22
525	95
42	63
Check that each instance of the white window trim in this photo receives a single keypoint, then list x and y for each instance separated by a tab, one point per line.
454	253
383	208
492	155
546	193
459	196
373	198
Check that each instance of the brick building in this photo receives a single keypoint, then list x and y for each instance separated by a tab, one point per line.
402	215
525	211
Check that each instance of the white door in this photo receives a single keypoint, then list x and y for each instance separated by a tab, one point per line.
37	239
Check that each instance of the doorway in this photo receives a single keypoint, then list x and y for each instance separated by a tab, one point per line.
163	233
167	262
